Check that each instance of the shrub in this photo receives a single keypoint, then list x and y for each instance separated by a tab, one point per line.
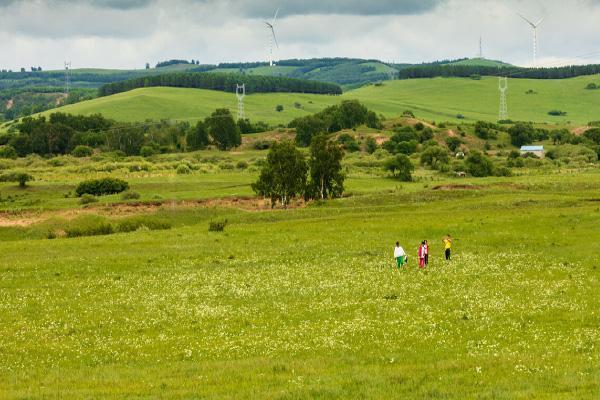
503	171
557	113
135	223
348	143
262	144
130	196
479	165
8	151
101	187
148	151
88	199
592	86
241	165
460	116
453	143
217	226
183	169
82	151
279	108
371	145
408	114
100	229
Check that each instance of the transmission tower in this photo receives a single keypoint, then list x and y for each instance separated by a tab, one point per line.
240	92
67	77
503	87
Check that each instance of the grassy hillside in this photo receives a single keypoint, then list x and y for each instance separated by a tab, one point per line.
438	99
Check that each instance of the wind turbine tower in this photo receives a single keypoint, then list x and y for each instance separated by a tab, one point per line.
535	27
272	37
480	48
240	92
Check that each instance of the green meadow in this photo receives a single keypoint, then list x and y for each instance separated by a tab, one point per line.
436	99
303	303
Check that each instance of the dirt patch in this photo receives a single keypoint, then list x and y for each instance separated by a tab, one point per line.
120	210
456	187
9	104
579	130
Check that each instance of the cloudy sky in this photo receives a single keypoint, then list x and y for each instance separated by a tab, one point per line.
129	33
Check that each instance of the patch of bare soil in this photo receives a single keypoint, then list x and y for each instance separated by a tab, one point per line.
118	210
580	130
456	187
9	104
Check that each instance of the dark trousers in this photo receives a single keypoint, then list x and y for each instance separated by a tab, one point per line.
447	254
426	259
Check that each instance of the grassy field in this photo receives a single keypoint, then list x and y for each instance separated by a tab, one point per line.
301	303
439	99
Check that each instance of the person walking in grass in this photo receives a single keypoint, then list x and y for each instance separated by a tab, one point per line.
399	255
426	247
447	241
421	255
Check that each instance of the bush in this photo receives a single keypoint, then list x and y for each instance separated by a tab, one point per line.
479	165
135	223
183	169
557	113
88	199
503	171
241	165
400	167
262	144
371	145
408	114
279	108
348	143
8	151
148	151
592	86
217	226
82	151
100	229
130	196
101	187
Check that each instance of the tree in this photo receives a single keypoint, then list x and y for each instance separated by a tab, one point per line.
307	127
326	177
283	176
434	156
21	177
453	142
593	134
370	145
521	134
401	167
222	128
197	137
479	165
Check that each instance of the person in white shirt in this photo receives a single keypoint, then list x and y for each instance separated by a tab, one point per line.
399	255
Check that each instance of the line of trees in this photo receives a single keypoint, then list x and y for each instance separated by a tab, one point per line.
465	71
79	135
223	82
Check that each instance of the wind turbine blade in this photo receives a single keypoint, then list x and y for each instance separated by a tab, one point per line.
274	37
526	20
268	24
275	16
539	22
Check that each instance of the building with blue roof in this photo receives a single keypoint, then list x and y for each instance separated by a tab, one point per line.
537	150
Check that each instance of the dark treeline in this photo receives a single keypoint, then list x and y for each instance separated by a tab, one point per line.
223	82
464	71
62	133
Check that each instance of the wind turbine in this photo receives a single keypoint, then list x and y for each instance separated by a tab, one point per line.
535	36
272	37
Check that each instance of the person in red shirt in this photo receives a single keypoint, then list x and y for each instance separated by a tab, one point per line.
421	254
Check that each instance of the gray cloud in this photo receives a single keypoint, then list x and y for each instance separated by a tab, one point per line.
260	8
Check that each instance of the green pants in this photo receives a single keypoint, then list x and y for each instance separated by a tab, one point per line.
400	261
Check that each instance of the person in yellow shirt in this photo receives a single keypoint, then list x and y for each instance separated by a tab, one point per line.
447	241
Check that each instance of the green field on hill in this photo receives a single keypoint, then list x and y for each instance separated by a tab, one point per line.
438	99
302	303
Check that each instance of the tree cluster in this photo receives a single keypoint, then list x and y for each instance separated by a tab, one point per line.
287	174
348	115
466	71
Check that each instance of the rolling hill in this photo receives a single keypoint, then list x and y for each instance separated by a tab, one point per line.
438	99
